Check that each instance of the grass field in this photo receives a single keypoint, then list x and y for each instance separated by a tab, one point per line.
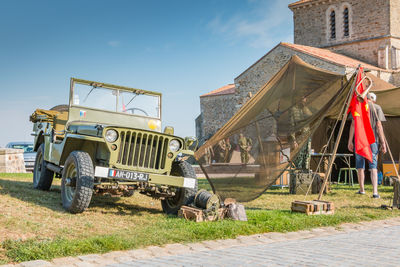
33	224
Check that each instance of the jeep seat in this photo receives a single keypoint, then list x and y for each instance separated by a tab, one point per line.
59	122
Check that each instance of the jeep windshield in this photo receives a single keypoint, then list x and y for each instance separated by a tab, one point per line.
132	102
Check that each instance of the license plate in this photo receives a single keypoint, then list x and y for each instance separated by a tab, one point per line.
128	175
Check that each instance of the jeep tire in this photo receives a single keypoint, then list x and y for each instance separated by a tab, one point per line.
42	177
183	196
77	182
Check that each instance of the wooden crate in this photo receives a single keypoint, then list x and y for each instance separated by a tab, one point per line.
388	168
198	215
191	214
315	207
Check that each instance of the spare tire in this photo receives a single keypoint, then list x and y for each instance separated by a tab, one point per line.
60	108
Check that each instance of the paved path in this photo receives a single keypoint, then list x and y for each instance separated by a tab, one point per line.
363	248
375	243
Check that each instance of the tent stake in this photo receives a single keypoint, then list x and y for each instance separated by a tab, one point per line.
339	136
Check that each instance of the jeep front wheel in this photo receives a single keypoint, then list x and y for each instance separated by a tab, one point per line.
42	177
183	196
77	182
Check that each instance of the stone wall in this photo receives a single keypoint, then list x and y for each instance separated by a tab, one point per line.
369	19
263	70
396	79
366	51
215	110
199	125
395	18
387	77
12	160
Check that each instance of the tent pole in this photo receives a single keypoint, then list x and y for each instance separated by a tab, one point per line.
339	136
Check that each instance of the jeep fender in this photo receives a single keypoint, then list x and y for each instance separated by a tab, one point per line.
94	146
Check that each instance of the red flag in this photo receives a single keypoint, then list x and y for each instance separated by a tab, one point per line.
363	134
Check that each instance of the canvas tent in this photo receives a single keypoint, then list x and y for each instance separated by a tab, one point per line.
256	145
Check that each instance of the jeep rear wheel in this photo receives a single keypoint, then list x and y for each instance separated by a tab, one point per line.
77	182
42	177
183	196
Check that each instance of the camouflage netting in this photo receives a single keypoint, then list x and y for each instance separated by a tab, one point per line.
250	152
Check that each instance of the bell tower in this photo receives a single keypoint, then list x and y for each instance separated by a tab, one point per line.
367	30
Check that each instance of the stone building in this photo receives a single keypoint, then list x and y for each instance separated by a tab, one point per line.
335	35
220	100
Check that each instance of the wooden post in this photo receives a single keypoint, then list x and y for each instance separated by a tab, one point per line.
333	157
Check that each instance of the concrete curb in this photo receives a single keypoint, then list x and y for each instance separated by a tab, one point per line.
96	260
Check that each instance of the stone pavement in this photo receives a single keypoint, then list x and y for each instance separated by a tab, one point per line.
375	243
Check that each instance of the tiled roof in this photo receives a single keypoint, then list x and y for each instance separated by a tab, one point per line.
299	2
224	90
328	55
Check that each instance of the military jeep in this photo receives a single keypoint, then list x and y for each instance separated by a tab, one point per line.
108	140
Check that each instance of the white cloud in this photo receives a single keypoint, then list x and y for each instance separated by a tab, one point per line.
266	24
114	43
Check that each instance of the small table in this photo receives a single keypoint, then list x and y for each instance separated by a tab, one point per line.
344	157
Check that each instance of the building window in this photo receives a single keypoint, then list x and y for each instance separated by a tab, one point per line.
333	24
346	22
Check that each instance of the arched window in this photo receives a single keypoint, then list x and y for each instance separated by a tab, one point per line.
346	31
333	24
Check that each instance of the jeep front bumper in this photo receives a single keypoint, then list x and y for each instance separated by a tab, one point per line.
134	177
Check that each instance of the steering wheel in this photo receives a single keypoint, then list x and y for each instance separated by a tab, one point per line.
133	110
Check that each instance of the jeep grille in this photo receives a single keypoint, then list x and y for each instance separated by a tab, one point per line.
142	150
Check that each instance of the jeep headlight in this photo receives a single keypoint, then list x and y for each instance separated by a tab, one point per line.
174	145
111	136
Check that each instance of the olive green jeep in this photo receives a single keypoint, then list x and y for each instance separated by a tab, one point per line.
108	140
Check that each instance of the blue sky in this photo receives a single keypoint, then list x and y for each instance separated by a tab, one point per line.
181	48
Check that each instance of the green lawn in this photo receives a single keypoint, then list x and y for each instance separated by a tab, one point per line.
33	224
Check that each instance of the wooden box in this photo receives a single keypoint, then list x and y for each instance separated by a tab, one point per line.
199	215
388	168
315	207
